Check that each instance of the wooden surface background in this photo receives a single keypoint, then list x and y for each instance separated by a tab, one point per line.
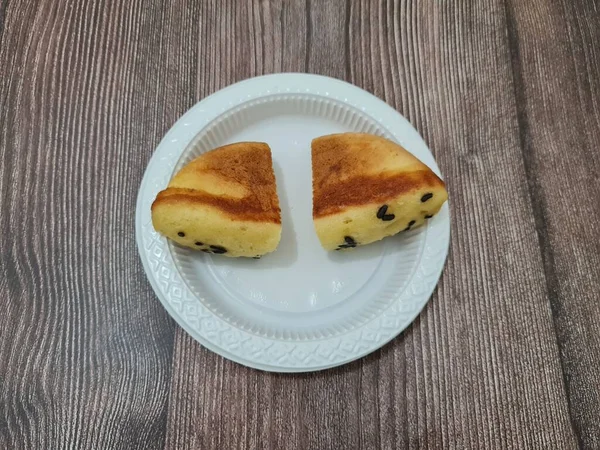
505	355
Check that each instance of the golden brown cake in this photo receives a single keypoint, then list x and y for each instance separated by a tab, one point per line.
366	187
224	202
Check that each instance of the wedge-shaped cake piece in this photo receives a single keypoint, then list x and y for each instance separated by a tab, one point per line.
223	202
366	187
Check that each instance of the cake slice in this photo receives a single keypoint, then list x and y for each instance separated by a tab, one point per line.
223	202
366	187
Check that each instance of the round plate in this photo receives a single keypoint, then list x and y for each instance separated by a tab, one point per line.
300	308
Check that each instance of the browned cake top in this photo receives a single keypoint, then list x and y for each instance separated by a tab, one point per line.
238	179
353	169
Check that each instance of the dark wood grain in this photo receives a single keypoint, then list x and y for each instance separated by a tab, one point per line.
556	57
85	348
481	366
505	355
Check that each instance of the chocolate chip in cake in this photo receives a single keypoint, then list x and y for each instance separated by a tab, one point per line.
218	249
429	216
256	257
349	243
382	214
198	243
410	224
426	197
181	234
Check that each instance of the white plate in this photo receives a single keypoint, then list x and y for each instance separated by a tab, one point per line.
300	308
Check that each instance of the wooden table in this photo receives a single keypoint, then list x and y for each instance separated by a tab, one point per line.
505	355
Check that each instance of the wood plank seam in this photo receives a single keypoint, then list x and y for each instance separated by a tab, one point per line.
348	13
308	36
3	8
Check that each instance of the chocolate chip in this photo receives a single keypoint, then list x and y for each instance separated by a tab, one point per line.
349	243
256	257
428	216
381	214
198	243
181	234
426	197
218	249
410	224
